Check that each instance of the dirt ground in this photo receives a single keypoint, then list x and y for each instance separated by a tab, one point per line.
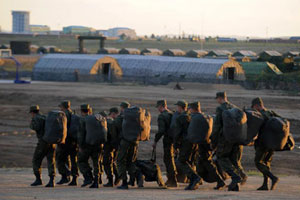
17	142
14	184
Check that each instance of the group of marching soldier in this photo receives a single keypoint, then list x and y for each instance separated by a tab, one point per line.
117	156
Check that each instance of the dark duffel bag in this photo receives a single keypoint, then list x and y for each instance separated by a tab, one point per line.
55	128
255	121
235	125
200	128
149	170
74	127
96	129
275	133
171	131
203	172
136	124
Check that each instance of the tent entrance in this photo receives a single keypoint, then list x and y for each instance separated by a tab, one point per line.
106	71
230	73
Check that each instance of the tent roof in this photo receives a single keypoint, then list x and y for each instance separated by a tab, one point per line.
257	68
272	53
245	53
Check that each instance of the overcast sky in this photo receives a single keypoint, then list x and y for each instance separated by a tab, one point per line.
204	17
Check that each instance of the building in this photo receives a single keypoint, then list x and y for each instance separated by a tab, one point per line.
118	31
67	67
108	50
151	51
245	56
196	53
78	30
41	29
221	39
270	56
255	69
219	53
174	52
131	51
20	22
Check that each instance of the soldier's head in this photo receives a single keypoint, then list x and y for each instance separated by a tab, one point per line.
104	113
64	105
161	105
257	104
33	110
221	97
181	106
195	107
85	109
124	105
113	112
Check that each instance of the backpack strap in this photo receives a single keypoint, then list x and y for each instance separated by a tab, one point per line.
153	156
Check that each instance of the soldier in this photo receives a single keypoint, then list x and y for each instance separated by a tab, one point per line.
86	151
110	148
164	122
42	149
127	153
228	154
186	148
263	156
67	151
205	153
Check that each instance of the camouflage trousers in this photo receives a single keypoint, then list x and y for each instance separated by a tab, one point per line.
66	158
229	157
186	152
127	155
263	159
109	160
95	153
169	157
41	151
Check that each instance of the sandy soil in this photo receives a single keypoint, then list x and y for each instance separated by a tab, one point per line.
14	184
17	141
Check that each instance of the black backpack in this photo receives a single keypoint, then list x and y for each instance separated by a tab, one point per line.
74	127
96	129
55	128
150	170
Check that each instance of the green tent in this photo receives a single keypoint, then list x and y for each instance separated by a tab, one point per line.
254	69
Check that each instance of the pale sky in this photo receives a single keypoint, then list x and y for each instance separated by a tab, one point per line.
261	18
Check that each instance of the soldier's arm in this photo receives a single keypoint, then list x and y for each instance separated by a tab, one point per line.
162	128
217	127
178	129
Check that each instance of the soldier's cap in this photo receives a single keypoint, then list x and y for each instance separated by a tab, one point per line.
66	104
85	106
103	113
194	105
161	103
113	110
221	94
34	108
182	103
125	104
257	101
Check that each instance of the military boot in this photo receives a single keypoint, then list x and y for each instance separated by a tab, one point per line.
38	180
194	182
117	180
51	182
172	182
220	184
132	180
140	180
95	183
109	183
87	180
265	184
234	185
64	179
74	181
124	185
274	180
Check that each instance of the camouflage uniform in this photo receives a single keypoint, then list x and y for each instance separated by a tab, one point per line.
186	149
86	151
67	151
127	152
42	149
164	122
263	156
110	151
228	154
